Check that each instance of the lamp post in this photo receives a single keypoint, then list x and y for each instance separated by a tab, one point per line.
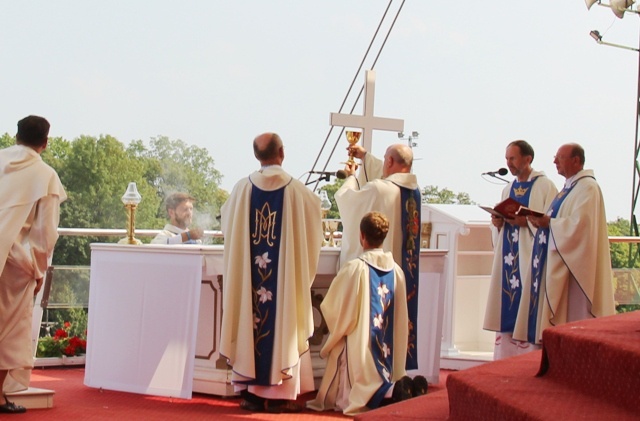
131	199
410	139
619	7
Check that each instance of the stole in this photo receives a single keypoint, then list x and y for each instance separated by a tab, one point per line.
381	312
265	227
539	263
410	202
511	276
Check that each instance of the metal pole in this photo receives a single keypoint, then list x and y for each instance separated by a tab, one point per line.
636	171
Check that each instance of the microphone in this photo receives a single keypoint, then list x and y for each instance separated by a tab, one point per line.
501	171
340	174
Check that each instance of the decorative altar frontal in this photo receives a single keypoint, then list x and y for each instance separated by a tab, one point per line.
155	313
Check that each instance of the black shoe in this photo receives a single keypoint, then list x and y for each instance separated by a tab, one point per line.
282	406
251	402
11	408
250	406
420	386
402	390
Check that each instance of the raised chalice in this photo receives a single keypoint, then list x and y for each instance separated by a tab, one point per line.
352	138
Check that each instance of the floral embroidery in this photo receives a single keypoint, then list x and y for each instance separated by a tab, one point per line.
511	282
508	259
377	321
543	238
381	322
260	296
256	320
263	260
264	295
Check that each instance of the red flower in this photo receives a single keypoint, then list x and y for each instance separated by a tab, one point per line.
69	351
60	333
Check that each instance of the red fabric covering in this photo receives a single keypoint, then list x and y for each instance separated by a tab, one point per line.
431	407
75	401
599	357
592	373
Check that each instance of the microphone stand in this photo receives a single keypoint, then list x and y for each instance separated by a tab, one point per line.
323	177
498	177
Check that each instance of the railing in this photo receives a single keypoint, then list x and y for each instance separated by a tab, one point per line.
106	232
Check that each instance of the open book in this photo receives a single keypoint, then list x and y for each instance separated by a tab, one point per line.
509	208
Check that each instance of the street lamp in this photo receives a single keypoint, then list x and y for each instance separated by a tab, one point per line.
619	7
410	139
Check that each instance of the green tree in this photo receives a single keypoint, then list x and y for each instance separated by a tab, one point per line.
7	140
620	251
331	190
172	165
432	194
96	173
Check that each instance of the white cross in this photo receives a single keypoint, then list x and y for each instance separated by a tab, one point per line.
367	122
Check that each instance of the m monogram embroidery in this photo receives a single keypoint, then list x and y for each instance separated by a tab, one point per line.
265	222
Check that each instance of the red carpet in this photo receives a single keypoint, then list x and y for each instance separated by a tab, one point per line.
590	371
75	401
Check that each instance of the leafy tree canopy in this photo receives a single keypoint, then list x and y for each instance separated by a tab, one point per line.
620	251
97	170
172	165
432	194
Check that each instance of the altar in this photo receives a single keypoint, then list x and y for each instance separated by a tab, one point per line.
156	310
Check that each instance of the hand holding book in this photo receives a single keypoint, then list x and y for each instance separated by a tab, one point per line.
510	208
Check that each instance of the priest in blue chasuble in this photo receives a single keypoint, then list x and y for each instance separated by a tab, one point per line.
513	242
366	314
571	276
272	238
389	187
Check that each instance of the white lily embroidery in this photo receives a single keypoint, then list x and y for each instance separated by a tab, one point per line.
262	260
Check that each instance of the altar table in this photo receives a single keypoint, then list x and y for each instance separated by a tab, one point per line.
155	314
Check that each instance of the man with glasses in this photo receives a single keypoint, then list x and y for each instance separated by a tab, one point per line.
571	277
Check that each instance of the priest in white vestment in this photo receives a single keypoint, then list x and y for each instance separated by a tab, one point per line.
273	235
366	314
513	240
386	186
180	211
571	276
31	194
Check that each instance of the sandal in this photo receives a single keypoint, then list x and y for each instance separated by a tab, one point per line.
11	408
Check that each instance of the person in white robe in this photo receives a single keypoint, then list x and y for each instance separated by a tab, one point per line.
361	371
270	384
513	240
31	194
180	211
571	275
386	186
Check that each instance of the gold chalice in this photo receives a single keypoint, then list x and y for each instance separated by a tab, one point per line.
352	138
332	227
425	235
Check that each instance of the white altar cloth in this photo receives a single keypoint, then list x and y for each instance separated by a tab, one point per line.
143	314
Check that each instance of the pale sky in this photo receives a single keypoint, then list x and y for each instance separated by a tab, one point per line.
468	76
